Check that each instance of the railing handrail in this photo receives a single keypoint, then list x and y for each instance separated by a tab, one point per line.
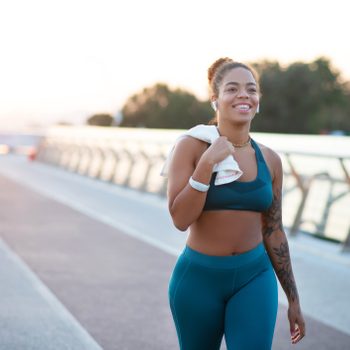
72	148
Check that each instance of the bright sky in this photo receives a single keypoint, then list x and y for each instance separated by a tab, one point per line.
63	60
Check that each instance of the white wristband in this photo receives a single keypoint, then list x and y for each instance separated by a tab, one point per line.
198	185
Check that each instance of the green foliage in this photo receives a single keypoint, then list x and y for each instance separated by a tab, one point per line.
160	107
101	119
299	98
302	98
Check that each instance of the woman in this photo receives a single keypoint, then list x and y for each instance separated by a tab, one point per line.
224	281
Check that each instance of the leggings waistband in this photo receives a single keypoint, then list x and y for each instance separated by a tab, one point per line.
230	261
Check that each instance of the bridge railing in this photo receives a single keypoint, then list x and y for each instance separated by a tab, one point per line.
316	188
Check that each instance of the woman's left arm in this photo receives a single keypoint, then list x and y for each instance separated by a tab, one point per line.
276	245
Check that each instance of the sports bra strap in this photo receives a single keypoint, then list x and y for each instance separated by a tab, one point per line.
259	155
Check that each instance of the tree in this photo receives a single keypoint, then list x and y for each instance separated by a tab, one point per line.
302	98
63	123
299	98
160	107
101	119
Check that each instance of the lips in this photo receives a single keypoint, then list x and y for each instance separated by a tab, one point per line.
243	106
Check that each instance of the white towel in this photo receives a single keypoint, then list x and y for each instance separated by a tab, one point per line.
227	170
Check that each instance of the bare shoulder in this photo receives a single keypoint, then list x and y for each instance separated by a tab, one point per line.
190	148
189	141
272	159
186	154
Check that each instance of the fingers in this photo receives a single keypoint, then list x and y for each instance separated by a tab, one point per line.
302	328
298	333
293	327
230	146
296	336
297	324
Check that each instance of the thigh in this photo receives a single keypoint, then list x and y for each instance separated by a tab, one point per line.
251	313
198	311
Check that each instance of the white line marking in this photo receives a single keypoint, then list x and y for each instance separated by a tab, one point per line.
50	298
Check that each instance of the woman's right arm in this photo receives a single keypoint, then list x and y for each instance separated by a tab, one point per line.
186	203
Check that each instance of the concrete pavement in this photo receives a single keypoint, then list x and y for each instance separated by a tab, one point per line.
106	254
31	316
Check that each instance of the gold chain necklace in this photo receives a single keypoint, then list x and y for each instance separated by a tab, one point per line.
240	145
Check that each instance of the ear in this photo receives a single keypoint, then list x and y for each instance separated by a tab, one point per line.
214	102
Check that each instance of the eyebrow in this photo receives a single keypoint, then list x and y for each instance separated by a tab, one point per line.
235	83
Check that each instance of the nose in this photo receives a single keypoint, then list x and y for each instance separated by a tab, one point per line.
242	93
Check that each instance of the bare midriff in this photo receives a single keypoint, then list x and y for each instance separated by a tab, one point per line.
225	232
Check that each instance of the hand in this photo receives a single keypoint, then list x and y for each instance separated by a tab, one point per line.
218	150
297	323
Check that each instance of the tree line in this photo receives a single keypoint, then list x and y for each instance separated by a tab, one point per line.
307	98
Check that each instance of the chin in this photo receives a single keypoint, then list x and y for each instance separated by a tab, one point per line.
242	118
241	121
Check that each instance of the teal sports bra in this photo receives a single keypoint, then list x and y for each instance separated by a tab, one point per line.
256	195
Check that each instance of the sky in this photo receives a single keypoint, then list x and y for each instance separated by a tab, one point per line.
62	61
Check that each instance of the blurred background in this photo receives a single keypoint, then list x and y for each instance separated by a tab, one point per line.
93	95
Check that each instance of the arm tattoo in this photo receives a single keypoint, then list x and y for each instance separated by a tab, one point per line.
272	218
284	271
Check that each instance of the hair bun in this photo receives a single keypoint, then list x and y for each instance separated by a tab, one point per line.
213	68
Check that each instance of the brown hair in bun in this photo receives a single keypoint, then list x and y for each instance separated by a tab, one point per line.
212	69
218	69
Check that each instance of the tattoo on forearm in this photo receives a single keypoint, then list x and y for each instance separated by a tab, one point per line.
272	219
284	271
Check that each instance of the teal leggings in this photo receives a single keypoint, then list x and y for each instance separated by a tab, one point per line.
235	296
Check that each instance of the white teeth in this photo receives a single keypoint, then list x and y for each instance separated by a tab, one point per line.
243	107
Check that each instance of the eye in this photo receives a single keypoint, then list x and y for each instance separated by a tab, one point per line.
252	90
233	89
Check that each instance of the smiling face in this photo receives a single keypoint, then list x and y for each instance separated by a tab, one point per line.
238	96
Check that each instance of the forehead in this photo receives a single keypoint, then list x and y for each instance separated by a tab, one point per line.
239	75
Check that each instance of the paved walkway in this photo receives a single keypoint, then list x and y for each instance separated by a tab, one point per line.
85	262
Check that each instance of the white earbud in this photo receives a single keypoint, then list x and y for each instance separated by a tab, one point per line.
257	108
214	105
